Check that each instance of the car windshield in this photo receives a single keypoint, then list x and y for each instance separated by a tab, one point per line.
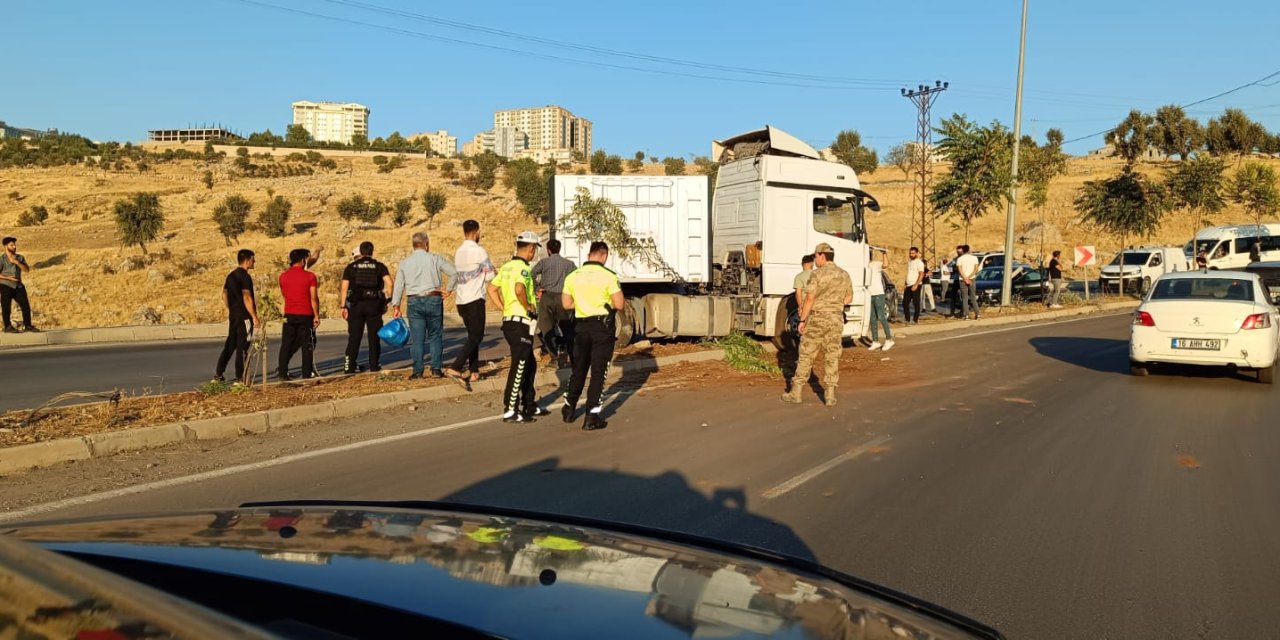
1203	289
1132	259
997	273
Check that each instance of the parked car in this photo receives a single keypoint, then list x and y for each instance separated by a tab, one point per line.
1142	266
1208	318
1028	284
1269	272
990	259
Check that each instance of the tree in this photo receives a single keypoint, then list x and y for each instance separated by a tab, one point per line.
373	212
139	219
1131	137
297	135
980	174
434	201
396	142
207	179
1041	164
360	141
639	156
901	156
1175	133
482	180
1234	132
673	166
1196	185
592	219
604	164
36	215
1254	188
230	216
447	171
275	217
352	208
1126	205
848	149
530	184
635	165
400	211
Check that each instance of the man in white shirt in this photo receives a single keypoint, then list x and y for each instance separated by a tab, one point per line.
914	281
475	270
967	266
879	312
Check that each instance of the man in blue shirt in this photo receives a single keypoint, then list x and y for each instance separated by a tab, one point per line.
425	279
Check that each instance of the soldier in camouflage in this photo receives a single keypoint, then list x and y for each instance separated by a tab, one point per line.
821	324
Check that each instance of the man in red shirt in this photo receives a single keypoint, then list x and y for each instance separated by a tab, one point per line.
301	315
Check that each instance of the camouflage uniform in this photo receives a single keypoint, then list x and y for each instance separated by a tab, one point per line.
831	286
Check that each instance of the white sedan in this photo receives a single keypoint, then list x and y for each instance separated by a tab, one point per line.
1211	318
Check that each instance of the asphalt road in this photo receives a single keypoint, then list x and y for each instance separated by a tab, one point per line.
38	374
1022	477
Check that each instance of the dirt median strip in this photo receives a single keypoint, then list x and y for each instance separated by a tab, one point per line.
48	453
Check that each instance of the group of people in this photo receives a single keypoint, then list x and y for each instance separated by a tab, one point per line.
571	308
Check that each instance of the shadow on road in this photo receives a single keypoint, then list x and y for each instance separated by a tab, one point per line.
663	501
1105	355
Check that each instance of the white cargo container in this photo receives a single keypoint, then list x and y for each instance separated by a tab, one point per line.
713	268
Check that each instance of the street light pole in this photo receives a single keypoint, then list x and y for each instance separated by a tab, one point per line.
1006	288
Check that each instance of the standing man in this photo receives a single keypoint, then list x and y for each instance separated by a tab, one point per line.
475	270
926	288
915	278
421	277
365	289
945	284
879	312
594	295
793	302
967	266
822	323
548	276
1056	283
512	291
242	310
12	266
301	315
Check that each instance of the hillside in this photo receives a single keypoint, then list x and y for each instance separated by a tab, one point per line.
82	277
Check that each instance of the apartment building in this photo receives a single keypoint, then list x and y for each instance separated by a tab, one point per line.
482	142
548	128
441	142
332	121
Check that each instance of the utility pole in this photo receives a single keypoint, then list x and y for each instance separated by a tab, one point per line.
1006	279
923	226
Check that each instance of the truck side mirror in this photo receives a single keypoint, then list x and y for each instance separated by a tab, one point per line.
872	204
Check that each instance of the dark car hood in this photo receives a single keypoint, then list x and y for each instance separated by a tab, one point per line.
512	576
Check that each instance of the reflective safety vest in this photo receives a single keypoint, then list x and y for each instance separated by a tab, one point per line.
515	271
592	287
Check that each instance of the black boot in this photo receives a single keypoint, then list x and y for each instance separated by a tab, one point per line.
567	411
593	422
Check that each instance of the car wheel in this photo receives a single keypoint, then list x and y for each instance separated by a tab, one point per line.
1267	375
1146	285
1139	369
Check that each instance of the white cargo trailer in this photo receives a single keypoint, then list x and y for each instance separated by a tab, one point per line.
709	266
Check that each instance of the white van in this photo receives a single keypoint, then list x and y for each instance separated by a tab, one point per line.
1227	246
1142	265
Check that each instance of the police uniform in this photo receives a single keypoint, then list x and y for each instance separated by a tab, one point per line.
592	287
366	302
830	286
519	403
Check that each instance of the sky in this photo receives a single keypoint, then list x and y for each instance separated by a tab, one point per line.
113	70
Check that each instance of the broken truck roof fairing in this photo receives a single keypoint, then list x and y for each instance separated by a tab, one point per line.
767	141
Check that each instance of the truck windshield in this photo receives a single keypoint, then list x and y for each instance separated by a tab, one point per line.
833	221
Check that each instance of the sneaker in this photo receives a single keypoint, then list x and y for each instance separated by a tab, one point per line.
566	412
375	368
10	330
517	418
874	346
30	329
415	376
284	375
436	373
888	344
593	422
218	378
313	374
537	412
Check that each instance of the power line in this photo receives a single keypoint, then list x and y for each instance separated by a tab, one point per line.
526	53
1259	82
564	44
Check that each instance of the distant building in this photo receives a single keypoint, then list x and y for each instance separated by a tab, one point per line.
543	156
509	142
441	142
482	142
7	131
186	135
548	128
1108	151
332	121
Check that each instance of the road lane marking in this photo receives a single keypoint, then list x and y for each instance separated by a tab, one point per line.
80	501
1022	327
824	467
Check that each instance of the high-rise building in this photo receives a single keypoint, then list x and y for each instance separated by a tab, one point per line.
509	142
441	142
549	128
332	121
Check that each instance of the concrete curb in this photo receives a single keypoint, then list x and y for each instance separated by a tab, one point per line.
167	333
44	454
1030	318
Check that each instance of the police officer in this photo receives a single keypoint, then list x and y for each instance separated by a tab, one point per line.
365	289
822	323
593	294
512	291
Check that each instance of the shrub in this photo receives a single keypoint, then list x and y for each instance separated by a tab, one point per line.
380	160
230	217
139	219
400	211
353	208
434	201
207	179
275	217
34	216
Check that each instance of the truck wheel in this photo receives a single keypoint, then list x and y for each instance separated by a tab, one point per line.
626	325
1138	368
782	339
1267	375
1146	285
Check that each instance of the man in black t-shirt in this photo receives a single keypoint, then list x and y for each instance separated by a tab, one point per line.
1056	284
242	311
366	287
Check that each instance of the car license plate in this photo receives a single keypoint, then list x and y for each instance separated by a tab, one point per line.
1197	343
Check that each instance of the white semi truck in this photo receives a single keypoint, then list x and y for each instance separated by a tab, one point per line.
709	264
